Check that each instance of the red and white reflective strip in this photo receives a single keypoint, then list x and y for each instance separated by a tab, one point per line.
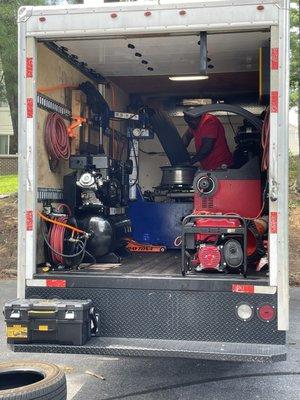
274	94
274	101
29	107
273	158
273	222
29	77
58	283
29	220
253	289
29	67
274	58
30	239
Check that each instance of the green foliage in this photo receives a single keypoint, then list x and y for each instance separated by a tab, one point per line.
9	57
294	197
295	53
55	2
9	44
293	161
8	184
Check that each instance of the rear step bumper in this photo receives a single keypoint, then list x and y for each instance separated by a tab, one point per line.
166	348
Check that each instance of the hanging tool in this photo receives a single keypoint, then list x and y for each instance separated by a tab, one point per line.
77	121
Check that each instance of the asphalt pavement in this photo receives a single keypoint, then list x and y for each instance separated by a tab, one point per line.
111	378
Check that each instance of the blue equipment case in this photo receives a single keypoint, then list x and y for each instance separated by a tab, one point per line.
157	223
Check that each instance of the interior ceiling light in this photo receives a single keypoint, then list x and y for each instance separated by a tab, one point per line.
185	78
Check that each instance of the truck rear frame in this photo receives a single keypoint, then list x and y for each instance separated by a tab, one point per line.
163	316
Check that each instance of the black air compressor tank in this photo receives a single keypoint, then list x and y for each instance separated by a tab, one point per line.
109	233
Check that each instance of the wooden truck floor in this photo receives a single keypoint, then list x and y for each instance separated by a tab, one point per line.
152	264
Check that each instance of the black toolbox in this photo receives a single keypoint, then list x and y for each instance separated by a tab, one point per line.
50	321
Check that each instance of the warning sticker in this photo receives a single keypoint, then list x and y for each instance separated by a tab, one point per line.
17	331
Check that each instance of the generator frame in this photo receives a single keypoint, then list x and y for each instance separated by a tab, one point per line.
49	23
189	229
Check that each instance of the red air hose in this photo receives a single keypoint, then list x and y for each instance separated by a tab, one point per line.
57	235
56	240
56	139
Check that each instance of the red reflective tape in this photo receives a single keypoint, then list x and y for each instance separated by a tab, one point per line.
274	58
273	222
29	67
56	283
274	102
237	288
29	220
29	107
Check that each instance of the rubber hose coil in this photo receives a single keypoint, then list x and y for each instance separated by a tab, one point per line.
56	140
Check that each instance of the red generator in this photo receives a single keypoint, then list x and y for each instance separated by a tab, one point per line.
215	236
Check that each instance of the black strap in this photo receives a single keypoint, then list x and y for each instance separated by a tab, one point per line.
170	139
95	100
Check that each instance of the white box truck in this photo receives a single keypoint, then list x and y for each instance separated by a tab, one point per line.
179	260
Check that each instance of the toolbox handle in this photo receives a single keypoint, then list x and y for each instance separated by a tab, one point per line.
41	313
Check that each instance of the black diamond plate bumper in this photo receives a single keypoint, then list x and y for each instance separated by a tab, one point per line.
169	317
173	314
168	348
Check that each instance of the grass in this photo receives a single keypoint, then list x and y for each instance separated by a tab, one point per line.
294	196
293	160
8	184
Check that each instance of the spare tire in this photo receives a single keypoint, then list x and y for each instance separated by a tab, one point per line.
32	380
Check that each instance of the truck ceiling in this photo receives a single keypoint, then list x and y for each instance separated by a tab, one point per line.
175	55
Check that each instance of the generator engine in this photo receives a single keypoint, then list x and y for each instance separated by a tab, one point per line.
218	251
214	242
221	235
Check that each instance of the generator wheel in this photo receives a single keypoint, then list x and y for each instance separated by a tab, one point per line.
32	380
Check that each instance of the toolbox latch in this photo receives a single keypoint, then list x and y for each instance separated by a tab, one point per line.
70	314
15	314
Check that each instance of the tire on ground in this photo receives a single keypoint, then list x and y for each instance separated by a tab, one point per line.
26	380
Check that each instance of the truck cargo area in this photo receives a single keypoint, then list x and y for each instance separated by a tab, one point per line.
141	121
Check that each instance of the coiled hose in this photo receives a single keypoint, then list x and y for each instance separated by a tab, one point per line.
55	239
56	140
